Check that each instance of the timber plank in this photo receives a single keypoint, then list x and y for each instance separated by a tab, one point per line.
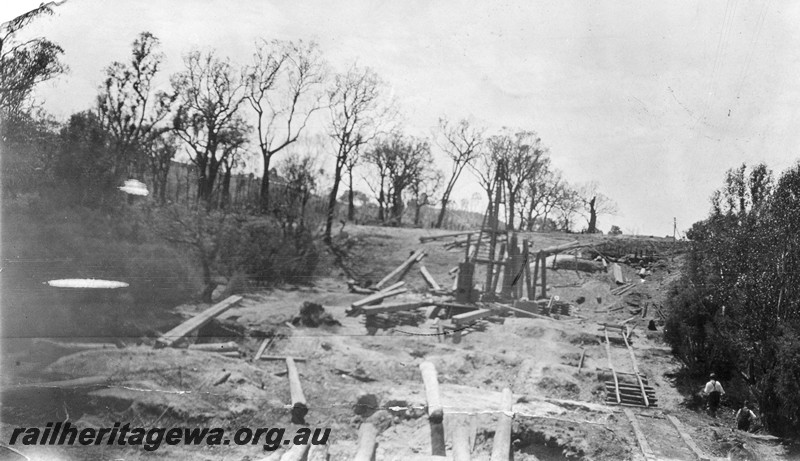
176	334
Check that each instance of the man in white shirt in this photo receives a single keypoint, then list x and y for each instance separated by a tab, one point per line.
714	391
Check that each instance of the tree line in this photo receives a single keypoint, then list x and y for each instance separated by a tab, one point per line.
736	310
225	118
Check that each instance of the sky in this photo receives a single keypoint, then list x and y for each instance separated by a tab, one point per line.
651	100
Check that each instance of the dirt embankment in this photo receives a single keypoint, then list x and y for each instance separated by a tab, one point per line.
556	367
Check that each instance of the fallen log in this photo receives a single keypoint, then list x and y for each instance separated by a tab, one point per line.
367	435
501	445
299	407
443	236
562	247
616	270
176	334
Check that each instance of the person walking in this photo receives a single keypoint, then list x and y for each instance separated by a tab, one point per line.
744	417
714	391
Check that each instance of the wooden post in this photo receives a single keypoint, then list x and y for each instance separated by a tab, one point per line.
367	435
466	252
501	446
459	436
435	409
527	268
296	453
465	282
318	453
543	256
299	407
532	294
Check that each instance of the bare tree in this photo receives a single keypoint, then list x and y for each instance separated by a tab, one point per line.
423	188
282	89
520	156
131	110
209	93
545	193
594	203
461	142
24	65
355	113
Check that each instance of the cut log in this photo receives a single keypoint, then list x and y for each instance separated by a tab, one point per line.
429	278
401	268
377	297
383	308
460	435
616	270
367	435
501	445
230	346
299	407
176	334
435	409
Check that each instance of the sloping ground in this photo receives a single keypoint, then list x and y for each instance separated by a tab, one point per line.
559	409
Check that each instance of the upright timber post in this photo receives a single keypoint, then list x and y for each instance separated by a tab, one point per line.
494	224
543	263
526	267
534	278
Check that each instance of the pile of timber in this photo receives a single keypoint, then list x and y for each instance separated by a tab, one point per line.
545	307
630	394
622	289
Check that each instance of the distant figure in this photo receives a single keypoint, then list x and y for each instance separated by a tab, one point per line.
744	417
714	391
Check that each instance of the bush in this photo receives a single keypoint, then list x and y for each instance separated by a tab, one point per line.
268	254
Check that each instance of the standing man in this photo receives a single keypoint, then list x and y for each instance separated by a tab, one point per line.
744	417
714	391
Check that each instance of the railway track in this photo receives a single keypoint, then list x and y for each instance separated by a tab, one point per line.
627	388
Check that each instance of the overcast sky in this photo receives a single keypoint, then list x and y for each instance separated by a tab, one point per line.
651	100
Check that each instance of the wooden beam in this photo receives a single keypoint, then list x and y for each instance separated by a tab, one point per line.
520	311
382	308
318	453
277	357
377	297
469	317
230	346
544	274
501	445
687	439
299	407
459	436
435	408
611	365
64	384
367	435
648	454
295	453
402	267
264	345
562	247
452	234
429	278
176	334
